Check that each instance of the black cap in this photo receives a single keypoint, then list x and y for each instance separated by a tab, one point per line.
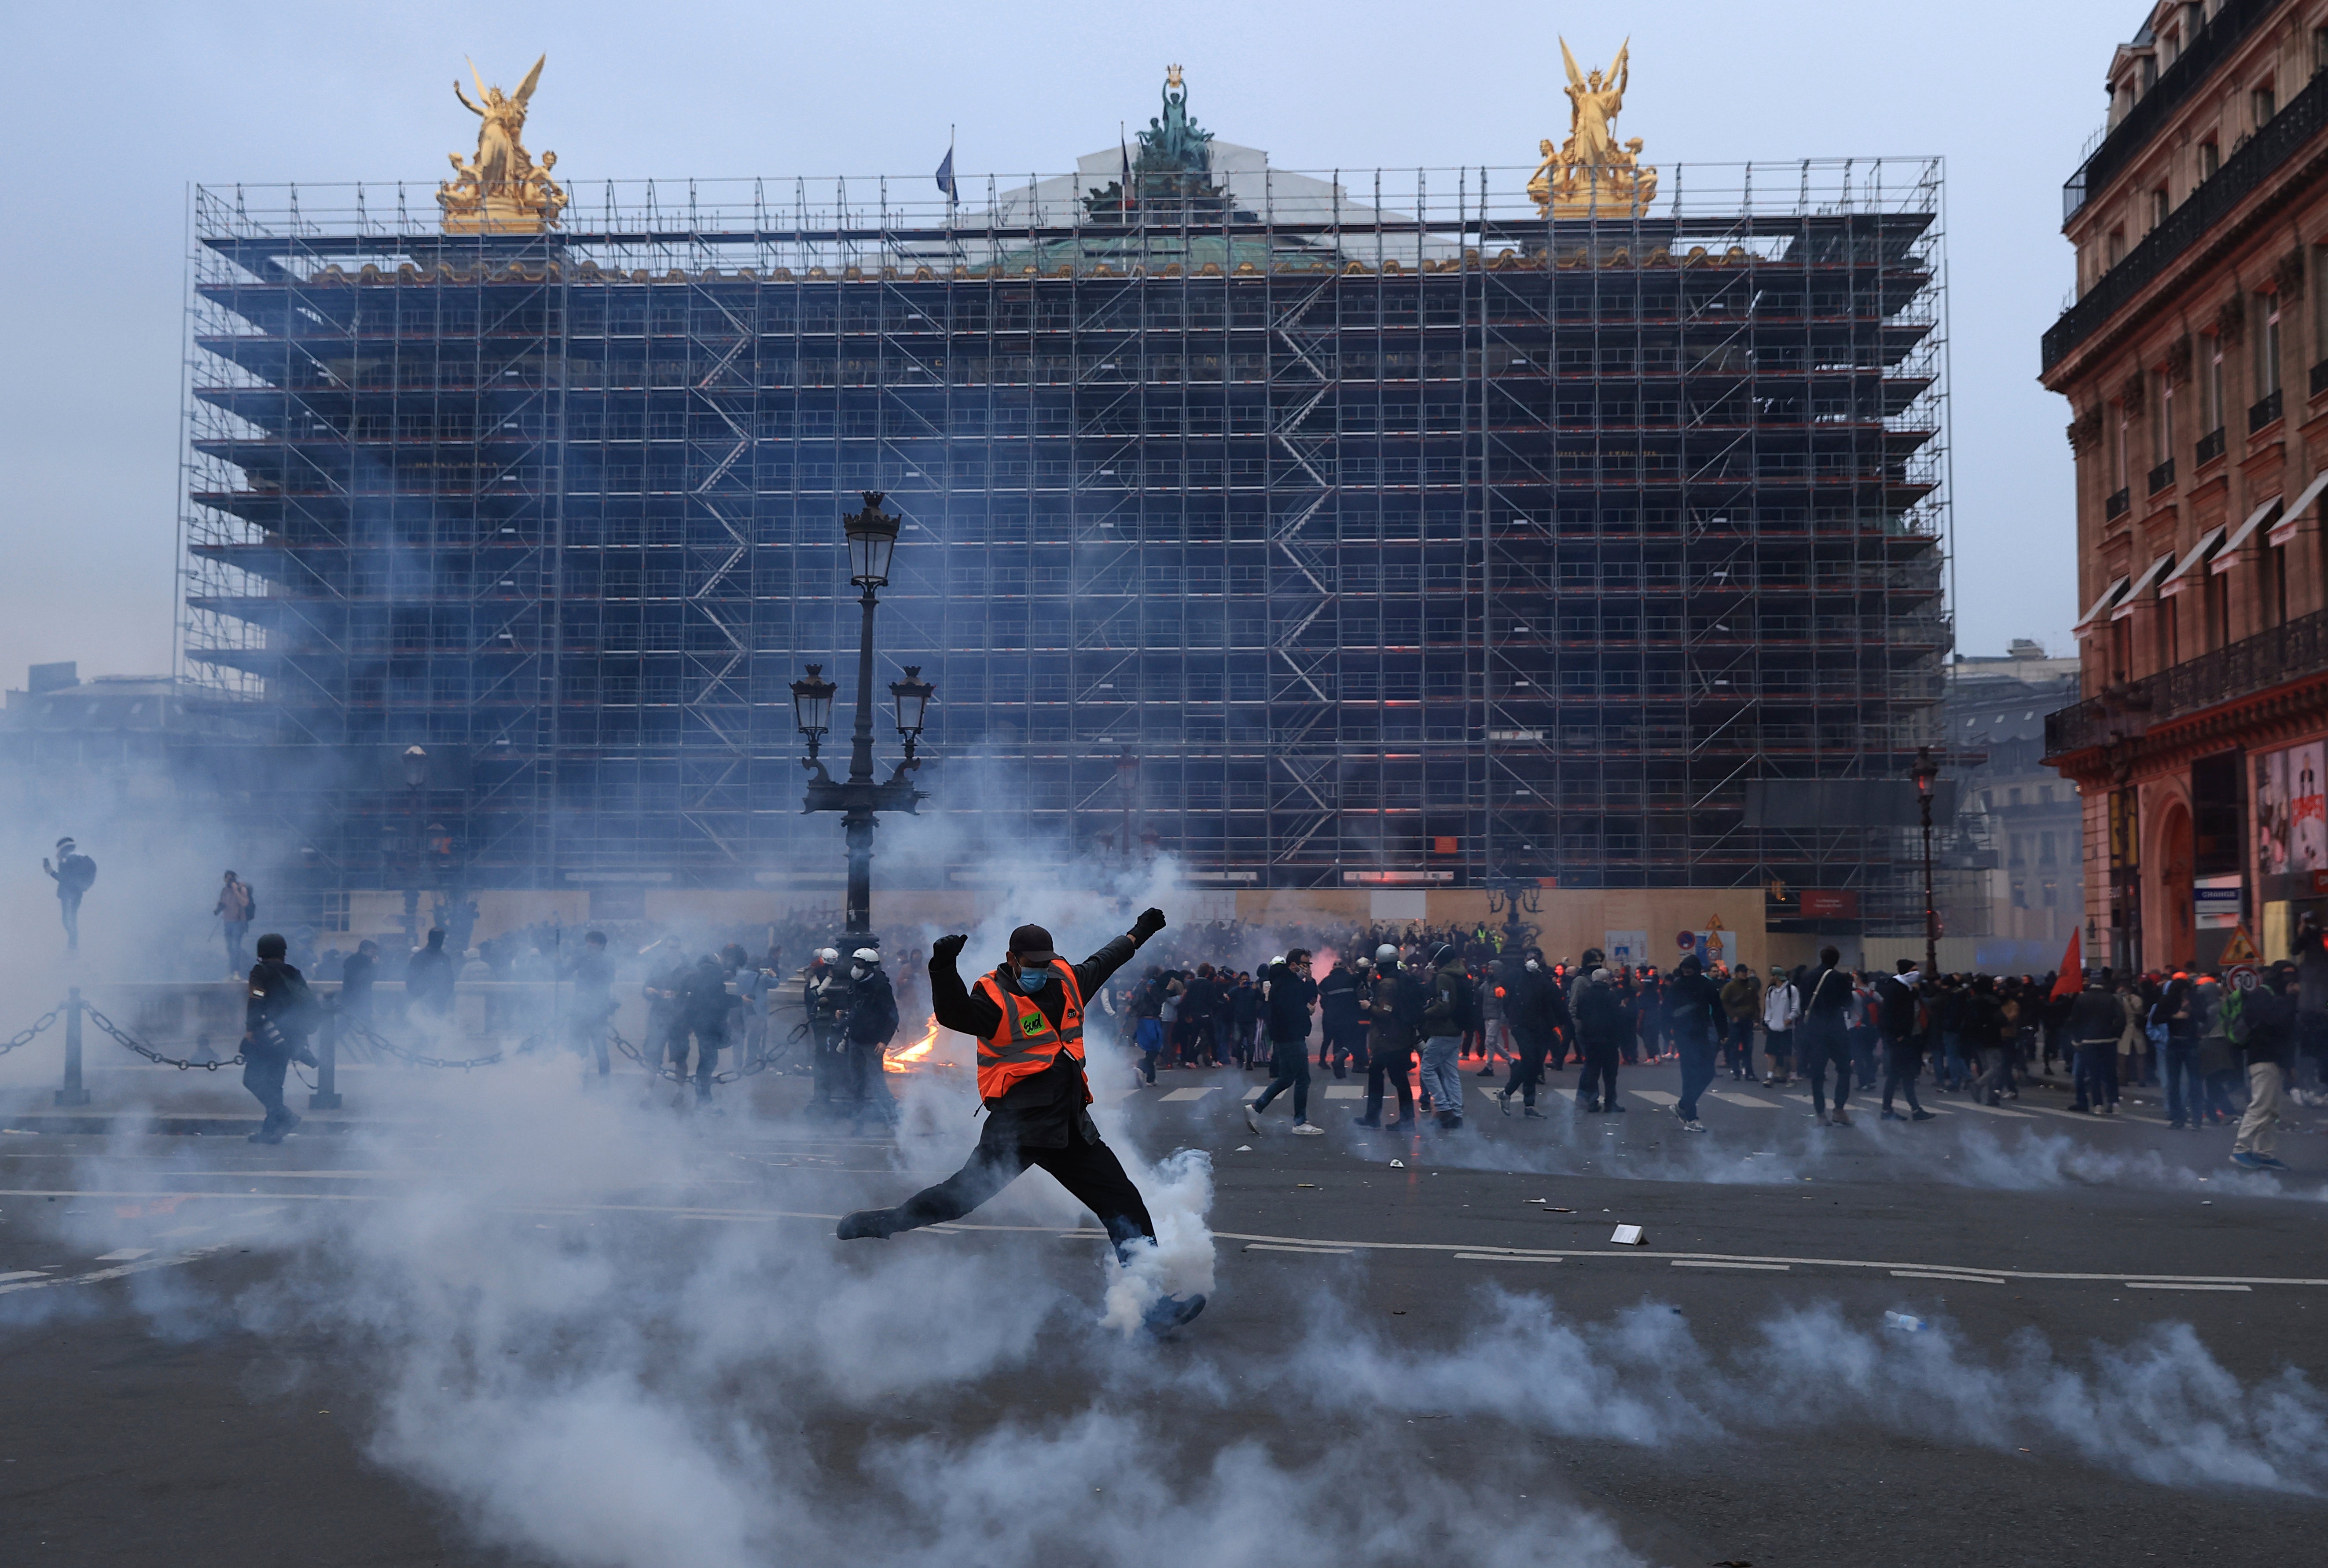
1033	944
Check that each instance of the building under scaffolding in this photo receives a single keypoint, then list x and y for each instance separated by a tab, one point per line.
1321	530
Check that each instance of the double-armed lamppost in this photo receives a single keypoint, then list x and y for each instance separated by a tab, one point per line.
872	536
1927	776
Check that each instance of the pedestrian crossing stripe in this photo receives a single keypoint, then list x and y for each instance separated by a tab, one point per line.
1194	1093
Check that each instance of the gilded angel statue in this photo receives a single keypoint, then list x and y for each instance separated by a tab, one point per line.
502	162
1592	139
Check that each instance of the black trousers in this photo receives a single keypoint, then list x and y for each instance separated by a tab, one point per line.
1390	1065
1344	1043
707	1044
1904	1059
262	1075
1819	1044
1598	1081
1527	1067
1086	1168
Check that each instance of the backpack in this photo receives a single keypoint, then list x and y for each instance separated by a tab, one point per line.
1410	1000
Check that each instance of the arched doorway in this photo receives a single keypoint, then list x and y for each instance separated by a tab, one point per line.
2177	945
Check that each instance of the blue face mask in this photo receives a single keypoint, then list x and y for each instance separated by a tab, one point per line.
1033	980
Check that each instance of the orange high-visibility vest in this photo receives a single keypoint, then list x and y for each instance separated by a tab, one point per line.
1024	1043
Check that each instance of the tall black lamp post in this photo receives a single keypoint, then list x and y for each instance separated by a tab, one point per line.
872	536
1928	774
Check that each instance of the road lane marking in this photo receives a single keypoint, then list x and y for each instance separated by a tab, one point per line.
1296	1243
1656	1096
1196	1094
1926	1274
126	1255
1723	1263
1308	1251
2183	1285
1509	1256
1749	1101
1346	1092
22	1274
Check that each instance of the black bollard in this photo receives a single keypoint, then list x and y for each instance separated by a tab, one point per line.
72	1094
325	1095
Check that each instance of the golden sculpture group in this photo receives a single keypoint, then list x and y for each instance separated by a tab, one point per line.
501	190
1591	176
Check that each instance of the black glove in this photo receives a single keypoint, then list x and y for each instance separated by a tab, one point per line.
946	950
1149	923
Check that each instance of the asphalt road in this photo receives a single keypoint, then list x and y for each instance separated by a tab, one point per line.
184	1389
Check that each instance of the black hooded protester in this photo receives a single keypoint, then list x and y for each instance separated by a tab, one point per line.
1027	1015
870	1023
1538	1014
74	874
277	1020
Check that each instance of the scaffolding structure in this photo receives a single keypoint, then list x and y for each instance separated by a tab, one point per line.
1400	535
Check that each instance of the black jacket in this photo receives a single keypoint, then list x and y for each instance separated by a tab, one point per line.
873	1007
1692	1009
2268	1020
1599	1016
281	1012
1035	1112
1290	996
2096	1017
1454	1006
1534	1005
1338	998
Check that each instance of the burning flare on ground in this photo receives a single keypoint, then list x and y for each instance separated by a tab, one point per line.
915	1055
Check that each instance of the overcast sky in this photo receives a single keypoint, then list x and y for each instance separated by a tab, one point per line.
113	111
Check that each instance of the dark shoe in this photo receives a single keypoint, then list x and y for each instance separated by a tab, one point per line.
1341	1071
1532	1111
1487	1071
1919	1115
1504	1101
878	1223
1170	1312
1373	1121
1587	1107
1891	1117
1613	1106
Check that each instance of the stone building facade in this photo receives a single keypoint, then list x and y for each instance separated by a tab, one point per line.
2195	364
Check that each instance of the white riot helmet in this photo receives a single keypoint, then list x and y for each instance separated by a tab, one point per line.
1386	953
829	955
867	955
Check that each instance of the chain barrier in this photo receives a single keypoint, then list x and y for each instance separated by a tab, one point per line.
374	1037
663	1069
123	1037
26	1036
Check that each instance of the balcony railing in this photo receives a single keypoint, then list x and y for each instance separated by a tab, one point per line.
2264	411
2260	157
2121	502
2162	477
2210	448
2284	653
2173	88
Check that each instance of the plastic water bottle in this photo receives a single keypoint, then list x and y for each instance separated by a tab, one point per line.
1904	1323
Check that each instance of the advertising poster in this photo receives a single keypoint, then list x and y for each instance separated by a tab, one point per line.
2292	810
2272	819
2307	838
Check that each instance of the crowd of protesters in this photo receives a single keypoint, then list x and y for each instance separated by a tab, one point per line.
2222	1049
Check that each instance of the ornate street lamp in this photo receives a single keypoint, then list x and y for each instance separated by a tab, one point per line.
1927	776
872	537
813	707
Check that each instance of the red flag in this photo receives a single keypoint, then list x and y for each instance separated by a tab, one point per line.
2072	977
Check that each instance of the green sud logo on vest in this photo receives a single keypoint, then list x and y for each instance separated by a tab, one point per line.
1030	1021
